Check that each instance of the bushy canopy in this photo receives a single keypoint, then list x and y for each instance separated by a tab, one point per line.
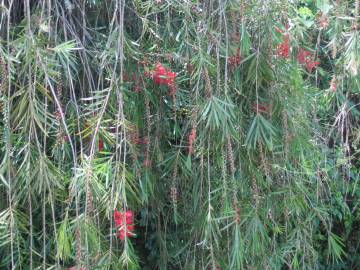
177	134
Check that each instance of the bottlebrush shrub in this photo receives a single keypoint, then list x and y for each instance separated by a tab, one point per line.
252	165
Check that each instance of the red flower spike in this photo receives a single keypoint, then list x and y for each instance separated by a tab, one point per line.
303	56
161	76
124	224
282	50
310	65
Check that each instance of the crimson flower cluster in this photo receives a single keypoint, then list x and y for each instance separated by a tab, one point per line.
162	76
304	57
282	50
124	223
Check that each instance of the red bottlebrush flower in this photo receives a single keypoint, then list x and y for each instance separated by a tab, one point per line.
310	65
282	50
161	76
170	78
124	223
303	56
100	145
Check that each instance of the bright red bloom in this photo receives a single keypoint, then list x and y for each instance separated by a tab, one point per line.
124	223
304	57
310	65
282	50
162	76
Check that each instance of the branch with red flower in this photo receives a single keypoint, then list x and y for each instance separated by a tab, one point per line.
124	224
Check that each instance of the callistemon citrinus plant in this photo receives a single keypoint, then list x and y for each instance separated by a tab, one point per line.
179	134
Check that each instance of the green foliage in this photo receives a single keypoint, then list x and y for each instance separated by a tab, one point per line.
249	160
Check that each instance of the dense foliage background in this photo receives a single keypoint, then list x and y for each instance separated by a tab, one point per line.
177	134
